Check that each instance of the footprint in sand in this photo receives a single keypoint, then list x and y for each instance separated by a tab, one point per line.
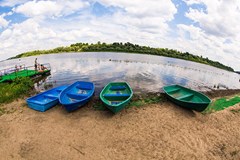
25	149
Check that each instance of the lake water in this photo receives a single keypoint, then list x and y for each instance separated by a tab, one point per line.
145	73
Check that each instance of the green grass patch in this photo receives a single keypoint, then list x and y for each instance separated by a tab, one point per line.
147	99
17	89
222	103
137	101
98	105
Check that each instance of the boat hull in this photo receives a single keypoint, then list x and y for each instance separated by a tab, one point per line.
45	100
187	98
116	95
42	107
76	95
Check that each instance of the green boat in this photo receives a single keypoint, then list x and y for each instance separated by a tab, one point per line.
187	98
116	95
8	75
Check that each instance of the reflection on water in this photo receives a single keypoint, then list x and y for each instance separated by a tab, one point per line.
145	73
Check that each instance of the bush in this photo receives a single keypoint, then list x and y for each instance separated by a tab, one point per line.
19	88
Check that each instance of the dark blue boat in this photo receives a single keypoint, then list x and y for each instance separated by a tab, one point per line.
45	100
76	95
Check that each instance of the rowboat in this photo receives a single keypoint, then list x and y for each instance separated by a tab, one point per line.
45	100
76	95
187	98
116	95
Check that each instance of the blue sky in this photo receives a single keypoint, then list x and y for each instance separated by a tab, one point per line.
201	27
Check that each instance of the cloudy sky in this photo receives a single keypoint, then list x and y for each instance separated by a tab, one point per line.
210	28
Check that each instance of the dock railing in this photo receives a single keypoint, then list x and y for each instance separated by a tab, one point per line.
11	70
24	71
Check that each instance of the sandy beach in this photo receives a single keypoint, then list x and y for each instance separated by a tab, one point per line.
157	131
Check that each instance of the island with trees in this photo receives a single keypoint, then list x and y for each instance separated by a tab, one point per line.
129	48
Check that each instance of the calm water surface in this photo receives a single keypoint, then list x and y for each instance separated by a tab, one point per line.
145	73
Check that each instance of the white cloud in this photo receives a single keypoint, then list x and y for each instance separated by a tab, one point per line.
40	8
11	3
191	2
141	8
129	25
141	17
218	22
221	18
144	12
56	23
24	36
201	43
50	9
3	22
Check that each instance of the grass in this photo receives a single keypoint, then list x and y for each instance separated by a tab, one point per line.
153	98
139	101
17	89
98	105
222	103
136	101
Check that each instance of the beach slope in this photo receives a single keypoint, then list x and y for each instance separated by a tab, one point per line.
157	131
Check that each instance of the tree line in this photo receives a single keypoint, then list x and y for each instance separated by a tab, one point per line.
127	47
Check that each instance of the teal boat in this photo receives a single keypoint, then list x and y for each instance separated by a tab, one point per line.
187	98
116	95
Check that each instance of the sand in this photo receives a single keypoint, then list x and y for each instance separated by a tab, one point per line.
158	131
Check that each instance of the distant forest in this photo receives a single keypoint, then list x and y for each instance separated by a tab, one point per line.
127	47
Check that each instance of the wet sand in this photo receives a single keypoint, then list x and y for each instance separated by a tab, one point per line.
158	131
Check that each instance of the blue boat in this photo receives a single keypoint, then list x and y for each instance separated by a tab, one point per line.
45	100
76	95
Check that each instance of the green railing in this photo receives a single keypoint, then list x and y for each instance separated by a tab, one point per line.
23	71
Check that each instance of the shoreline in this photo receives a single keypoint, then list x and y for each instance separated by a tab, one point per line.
120	47
222	93
151	98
